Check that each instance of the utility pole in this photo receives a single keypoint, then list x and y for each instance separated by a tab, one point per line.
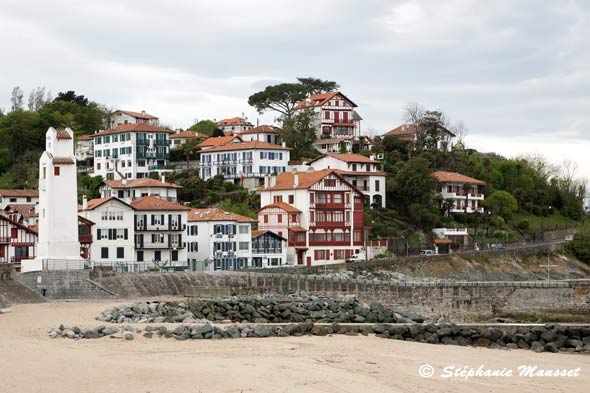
547	266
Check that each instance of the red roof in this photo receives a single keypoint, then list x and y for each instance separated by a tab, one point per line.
139	183
63	134
63	161
321	99
282	205
286	180
154	203
215	214
85	137
188	134
407	132
137	127
219	141
259	232
26	210
19	193
262	128
231	121
453	177
138	115
246	146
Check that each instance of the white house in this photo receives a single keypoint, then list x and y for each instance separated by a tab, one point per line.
268	249
129	117
219	240
335	115
244	162
130	151
234	125
129	190
114	230
410	132
333	145
324	219
219	141
179	138
21	197
159	231
362	172
58	205
84	147
460	193
263	133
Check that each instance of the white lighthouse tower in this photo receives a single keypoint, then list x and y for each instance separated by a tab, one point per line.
58	246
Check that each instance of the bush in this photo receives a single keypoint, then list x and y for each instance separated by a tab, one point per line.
580	246
524	225
461	218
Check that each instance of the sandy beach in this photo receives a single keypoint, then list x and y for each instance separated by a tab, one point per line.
32	362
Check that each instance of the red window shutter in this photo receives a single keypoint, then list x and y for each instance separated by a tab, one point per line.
315	255
326	115
266	218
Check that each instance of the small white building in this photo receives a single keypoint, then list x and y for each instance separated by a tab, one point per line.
131	151
244	162
459	193
84	147
362	172
263	133
180	138
219	240
410	133
159	231
128	117
268	249
333	145
114	230
20	197
58	205
234	125
129	190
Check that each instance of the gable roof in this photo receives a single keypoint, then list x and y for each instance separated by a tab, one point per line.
19	193
216	214
263	128
139	183
138	115
134	127
94	203
286	180
154	203
219	141
85	137
26	210
232	121
246	146
17	224
454	177
62	134
187	134
282	205
407	131
316	100
259	232
348	157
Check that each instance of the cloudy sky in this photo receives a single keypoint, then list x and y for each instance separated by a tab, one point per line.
517	73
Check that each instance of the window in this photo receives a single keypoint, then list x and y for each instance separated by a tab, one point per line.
104	252
294	218
158	255
266	218
244	246
330	182
376	185
56	171
277	198
339	254
244	229
140	256
280	218
120	252
13	233
321	254
174	255
291	199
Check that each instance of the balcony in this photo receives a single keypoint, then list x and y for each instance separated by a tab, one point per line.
18	259
144	155
329	243
317	205
329	224
85	239
4	239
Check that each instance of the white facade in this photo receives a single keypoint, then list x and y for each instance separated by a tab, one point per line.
219	240
244	162
268	250
333	145
130	151
335	115
234	125
460	193
58	205
159	231
114	232
84	148
262	133
20	197
129	190
362	172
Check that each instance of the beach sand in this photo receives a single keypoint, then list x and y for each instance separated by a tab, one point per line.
32	362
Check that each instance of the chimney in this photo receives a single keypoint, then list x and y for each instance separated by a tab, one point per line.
295	178
266	181
143	112
284	144
163	178
84	202
273	181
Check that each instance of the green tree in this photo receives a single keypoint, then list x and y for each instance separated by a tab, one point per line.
81	118
16	99
317	86
204	127
299	134
580	245
501	203
71	96
217	133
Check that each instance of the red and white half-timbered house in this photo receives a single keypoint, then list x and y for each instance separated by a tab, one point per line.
336	116
17	242
319	212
